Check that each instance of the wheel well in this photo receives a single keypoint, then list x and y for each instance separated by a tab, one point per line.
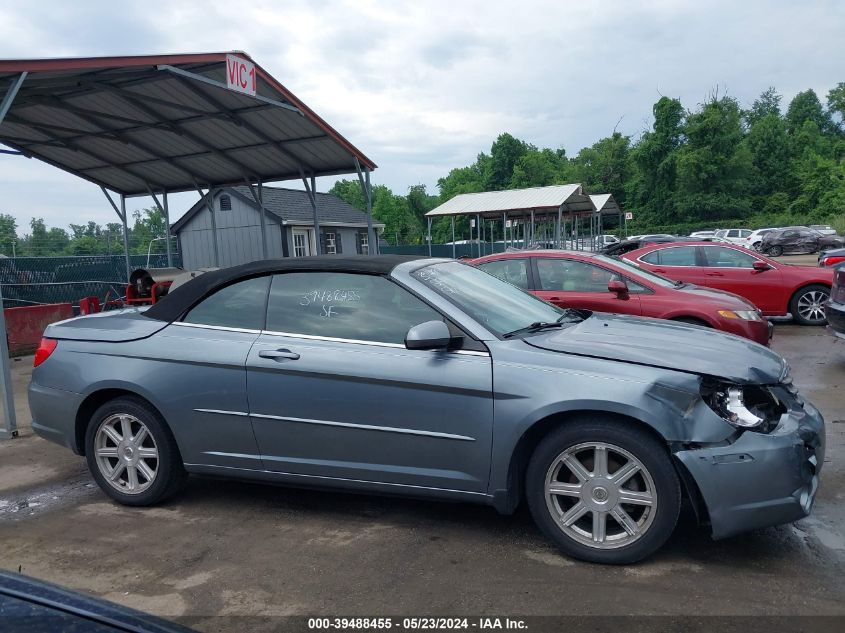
804	287
532	437
93	402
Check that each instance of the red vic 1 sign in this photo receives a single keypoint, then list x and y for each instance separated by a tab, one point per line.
240	75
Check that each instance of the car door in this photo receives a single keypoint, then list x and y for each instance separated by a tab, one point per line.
571	283
679	263
203	375
733	270
334	393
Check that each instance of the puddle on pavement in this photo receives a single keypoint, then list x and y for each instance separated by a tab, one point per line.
23	504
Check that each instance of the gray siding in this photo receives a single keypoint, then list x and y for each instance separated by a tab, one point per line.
238	236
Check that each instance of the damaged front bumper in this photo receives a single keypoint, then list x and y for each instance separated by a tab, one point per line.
760	479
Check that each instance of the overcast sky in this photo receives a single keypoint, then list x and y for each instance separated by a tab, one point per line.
423	86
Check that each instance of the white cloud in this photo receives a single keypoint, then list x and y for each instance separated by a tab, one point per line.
422	87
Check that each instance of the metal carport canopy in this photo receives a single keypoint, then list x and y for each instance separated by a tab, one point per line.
166	123
516	202
147	125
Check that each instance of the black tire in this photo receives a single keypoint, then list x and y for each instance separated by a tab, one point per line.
170	475
807	292
775	251
639	443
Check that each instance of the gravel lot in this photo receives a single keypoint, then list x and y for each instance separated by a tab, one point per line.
228	548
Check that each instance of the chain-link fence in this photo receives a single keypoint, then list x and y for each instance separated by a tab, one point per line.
39	280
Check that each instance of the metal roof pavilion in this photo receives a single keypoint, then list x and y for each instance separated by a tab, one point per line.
157	124
516	202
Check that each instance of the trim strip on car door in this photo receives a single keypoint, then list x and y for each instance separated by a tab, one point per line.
363	427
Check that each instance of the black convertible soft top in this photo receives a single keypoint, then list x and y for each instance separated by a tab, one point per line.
175	304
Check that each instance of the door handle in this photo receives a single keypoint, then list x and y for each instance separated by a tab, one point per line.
278	354
659	270
714	274
554	298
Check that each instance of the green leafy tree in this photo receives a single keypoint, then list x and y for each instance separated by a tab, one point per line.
504	155
714	166
540	168
651	188
604	167
767	104
8	233
806	107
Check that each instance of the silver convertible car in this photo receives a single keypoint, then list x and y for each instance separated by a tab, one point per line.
428	377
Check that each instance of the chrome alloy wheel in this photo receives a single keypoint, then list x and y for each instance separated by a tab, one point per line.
126	453
600	495
811	305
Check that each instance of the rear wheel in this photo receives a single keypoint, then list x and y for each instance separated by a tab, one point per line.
807	305
132	454
603	491
775	251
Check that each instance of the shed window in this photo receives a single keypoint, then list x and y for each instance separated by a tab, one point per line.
225	203
363	243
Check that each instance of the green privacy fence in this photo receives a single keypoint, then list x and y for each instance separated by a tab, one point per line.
38	280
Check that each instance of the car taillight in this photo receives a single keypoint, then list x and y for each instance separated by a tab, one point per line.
837	292
832	261
45	348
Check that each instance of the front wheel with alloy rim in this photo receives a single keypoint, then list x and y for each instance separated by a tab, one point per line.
807	305
132	454
603	490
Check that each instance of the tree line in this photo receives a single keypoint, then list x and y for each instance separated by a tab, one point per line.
717	165
83	239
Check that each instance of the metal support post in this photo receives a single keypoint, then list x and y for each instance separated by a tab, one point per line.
557	228
125	236
10	428
167	232
209	201
263	222
504	231
368	196
312	197
429	237
453	238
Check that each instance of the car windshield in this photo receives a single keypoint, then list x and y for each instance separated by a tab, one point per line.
635	271
501	307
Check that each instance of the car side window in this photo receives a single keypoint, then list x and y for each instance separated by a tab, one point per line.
240	305
720	257
513	271
744	232
673	256
567	275
789	234
344	305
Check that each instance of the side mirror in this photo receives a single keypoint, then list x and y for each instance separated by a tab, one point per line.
761	267
428	335
618	286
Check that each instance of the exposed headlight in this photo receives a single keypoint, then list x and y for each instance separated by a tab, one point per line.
744	406
746	315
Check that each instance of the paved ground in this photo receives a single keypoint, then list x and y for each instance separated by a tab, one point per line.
234	548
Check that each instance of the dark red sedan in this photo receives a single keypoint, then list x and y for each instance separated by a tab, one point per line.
777	289
603	284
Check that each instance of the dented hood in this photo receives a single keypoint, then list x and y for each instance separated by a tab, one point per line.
667	344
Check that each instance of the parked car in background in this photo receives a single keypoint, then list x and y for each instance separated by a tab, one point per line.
703	234
754	240
824	229
734	236
601	241
835	307
631	244
589	281
777	289
798	239
832	258
431	378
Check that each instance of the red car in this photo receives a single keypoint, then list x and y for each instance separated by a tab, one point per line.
777	289
596	282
